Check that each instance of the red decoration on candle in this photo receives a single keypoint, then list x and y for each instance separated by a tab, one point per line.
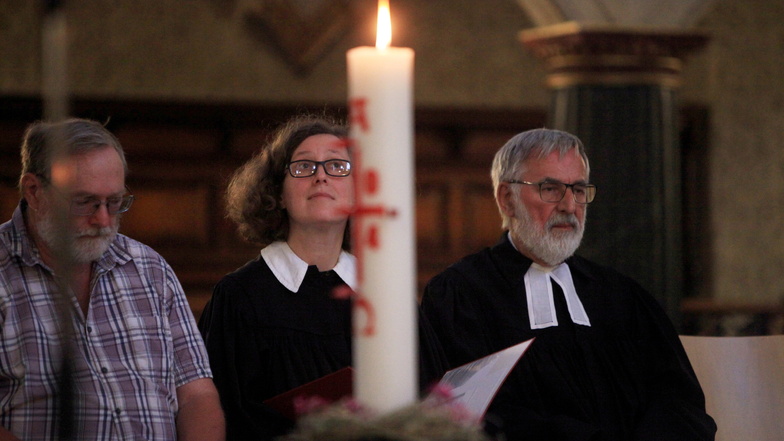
371	181
361	303
357	114
373	241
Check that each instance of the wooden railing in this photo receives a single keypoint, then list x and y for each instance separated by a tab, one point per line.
720	318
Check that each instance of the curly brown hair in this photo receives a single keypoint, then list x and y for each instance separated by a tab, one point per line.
253	196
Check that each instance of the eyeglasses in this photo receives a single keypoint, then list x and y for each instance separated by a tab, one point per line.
89	205
555	191
305	168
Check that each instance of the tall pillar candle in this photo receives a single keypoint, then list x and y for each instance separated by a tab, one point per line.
380	88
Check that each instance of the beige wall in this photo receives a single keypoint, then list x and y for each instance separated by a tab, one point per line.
745	88
467	56
203	49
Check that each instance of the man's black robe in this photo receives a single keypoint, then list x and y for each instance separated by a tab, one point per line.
626	377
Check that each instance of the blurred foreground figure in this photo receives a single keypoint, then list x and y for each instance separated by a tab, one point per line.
139	366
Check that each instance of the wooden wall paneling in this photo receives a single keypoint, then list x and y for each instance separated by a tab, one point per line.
164	141
433	145
432	218
247	141
9	198
11	133
174	215
456	215
480	147
482	226
432	226
10	139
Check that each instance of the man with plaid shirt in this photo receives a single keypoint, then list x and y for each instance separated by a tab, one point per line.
96	337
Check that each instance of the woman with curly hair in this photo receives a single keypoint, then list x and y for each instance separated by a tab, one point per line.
274	324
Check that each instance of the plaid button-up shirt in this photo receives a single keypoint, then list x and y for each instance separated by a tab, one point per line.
137	344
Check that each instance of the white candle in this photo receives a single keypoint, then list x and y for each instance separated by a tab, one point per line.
380	88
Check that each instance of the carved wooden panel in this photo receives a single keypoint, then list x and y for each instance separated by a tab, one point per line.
159	140
170	216
432	146
9	197
482	225
481	145
248	141
302	31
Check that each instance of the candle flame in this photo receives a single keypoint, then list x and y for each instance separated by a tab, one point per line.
384	30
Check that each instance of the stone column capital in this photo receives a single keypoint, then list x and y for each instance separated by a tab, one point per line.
576	53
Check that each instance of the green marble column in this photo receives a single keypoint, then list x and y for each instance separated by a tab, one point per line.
616	89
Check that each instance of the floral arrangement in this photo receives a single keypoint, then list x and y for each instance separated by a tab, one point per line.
436	418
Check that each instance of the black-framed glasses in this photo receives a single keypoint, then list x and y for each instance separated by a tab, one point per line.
551	191
305	168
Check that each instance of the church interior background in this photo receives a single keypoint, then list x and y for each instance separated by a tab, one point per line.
684	132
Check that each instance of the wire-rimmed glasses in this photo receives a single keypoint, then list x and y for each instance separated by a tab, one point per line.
552	191
87	206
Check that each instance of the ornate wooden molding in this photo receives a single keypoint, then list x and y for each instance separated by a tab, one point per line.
681	13
302	31
603	54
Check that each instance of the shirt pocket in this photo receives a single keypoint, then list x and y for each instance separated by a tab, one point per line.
149	341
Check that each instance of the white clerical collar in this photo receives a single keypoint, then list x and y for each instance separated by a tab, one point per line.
290	270
539	290
539	294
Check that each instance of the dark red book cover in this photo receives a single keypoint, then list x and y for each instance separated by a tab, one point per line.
331	387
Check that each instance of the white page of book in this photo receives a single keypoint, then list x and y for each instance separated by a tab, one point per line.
474	385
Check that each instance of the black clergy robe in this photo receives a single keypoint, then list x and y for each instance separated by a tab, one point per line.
626	377
264	340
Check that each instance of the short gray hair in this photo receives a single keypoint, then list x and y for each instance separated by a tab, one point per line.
509	161
74	135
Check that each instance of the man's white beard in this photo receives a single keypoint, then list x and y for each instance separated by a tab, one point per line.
552	248
86	246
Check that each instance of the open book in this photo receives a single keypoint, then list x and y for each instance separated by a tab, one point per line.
474	385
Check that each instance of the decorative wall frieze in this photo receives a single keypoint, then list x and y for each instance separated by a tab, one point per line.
576	53
302	31
679	13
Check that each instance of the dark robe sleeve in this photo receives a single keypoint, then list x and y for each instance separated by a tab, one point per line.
235	355
450	316
432	360
675	408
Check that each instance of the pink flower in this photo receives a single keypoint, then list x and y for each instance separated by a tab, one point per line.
307	404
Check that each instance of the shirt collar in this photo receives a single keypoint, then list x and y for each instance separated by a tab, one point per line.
19	242
539	295
290	270
537	278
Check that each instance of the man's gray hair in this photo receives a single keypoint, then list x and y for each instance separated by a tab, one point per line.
73	136
509	161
